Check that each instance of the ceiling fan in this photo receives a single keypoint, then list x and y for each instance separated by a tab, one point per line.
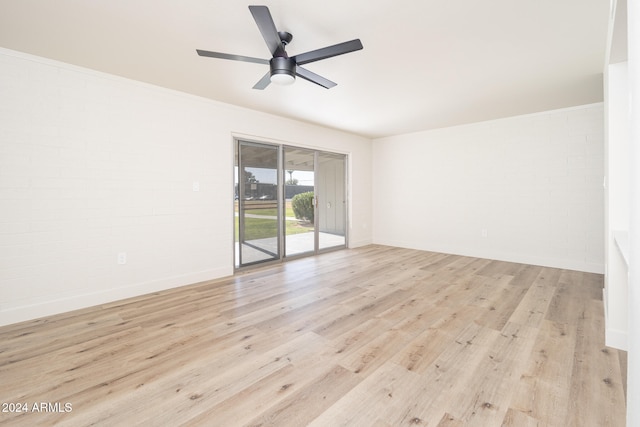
283	68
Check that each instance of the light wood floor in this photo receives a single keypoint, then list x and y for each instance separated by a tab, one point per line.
375	336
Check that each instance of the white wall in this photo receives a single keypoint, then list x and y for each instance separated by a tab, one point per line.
617	172
633	374
534	183
92	165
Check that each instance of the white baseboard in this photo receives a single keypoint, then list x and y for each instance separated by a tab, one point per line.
615	339
35	310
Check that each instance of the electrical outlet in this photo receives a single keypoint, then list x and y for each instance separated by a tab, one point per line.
484	232
196	186
122	257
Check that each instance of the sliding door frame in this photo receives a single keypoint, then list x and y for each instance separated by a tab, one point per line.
281	203
241	191
345	202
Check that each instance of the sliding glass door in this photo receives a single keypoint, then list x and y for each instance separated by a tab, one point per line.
299	189
257	203
332	200
290	202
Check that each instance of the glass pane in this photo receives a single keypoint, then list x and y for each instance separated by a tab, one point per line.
258	208
299	206
331	209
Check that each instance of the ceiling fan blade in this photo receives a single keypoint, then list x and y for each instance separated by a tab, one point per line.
267	28
328	52
263	82
232	57
314	78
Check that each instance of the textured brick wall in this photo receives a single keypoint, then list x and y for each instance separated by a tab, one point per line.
532	184
93	165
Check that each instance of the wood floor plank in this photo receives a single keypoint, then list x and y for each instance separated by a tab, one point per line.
255	398
503	302
440	261
308	316
193	388
373	336
449	420
390	387
358	310
543	390
302	407
495	377
515	418
446	377
500	268
601	378
526	275
423	350
535	303
568	299
459	291
357	337
375	353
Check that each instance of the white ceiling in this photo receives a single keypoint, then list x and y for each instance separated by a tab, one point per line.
425	63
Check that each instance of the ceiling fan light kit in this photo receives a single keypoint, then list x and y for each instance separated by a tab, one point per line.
282	68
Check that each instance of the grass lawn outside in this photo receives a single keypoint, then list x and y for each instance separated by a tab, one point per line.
288	210
262	228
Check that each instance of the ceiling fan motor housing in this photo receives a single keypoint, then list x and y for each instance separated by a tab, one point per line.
282	65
